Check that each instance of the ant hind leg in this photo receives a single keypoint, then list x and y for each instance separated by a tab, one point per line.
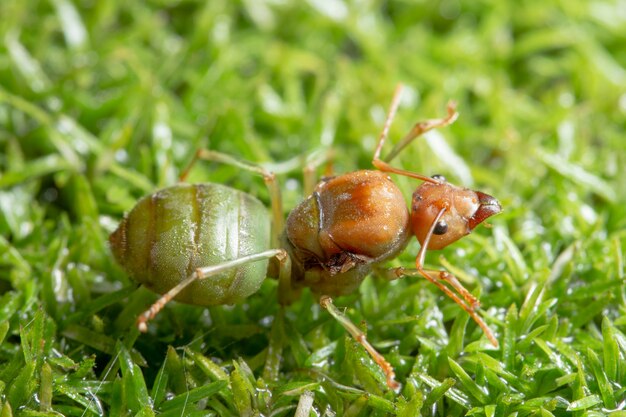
209	271
327	303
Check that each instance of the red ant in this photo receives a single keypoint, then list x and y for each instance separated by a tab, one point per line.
176	238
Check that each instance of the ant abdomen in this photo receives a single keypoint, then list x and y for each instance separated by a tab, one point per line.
171	232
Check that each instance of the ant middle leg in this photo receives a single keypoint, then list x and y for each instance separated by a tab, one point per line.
419	129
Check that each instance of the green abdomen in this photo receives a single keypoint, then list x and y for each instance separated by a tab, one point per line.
170	233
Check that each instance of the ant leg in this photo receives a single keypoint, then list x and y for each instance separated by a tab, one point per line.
206	272
469	303
268	176
419	129
469	298
422	127
309	172
444	275
435	278
327	303
287	294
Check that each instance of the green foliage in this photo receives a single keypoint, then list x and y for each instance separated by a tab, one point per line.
103	102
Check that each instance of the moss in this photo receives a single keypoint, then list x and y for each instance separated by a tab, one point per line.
103	102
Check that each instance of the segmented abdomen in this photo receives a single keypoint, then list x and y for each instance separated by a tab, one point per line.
170	233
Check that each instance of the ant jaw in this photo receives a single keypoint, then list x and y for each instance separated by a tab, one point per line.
488	206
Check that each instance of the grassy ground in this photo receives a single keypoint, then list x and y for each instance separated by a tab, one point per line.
103	102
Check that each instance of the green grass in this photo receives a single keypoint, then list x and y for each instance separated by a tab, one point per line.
103	102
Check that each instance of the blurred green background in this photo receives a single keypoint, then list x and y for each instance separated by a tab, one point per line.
102	102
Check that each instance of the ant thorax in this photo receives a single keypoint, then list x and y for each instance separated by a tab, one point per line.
349	222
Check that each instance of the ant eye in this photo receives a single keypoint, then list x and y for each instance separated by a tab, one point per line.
441	227
439	177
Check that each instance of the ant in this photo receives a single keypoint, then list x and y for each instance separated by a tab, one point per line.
176	238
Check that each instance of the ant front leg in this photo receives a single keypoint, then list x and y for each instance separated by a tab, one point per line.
419	129
467	301
327	303
437	276
460	295
209	271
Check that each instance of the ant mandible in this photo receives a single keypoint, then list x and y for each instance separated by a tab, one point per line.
172	241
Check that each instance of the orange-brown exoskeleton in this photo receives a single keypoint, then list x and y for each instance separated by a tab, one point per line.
176	238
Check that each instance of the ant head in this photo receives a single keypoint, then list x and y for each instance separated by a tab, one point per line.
464	210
